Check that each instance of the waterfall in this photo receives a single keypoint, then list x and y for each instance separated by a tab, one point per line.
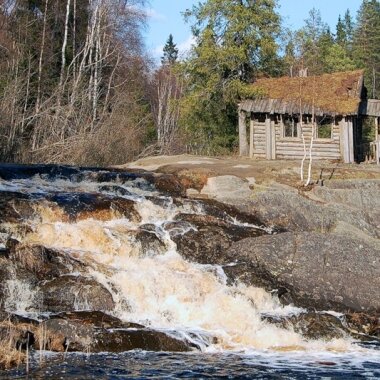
151	284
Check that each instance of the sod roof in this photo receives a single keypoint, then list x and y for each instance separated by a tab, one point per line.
337	93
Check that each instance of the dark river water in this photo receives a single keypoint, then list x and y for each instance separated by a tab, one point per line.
153	365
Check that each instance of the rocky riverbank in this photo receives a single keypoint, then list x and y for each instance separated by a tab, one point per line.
67	235
329	257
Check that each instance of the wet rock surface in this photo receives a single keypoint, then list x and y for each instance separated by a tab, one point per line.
79	206
149	240
211	237
312	325
363	323
97	319
43	263
95	331
230	213
89	332
144	339
68	292
15	207
326	326
71	173
59	281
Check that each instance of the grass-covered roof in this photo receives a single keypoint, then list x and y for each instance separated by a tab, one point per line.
337	93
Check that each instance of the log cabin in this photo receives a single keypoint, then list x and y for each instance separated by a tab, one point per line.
289	112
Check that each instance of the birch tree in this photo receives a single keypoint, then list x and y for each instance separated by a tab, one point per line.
67	65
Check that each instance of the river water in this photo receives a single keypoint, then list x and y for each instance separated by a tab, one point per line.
158	288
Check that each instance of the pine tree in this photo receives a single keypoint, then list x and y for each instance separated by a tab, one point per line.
170	52
341	36
366	44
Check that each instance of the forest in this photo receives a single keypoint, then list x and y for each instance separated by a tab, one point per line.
78	86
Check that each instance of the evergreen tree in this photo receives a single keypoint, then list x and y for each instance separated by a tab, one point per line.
344	31
290	59
341	36
170	52
348	28
366	44
314	39
235	42
336	59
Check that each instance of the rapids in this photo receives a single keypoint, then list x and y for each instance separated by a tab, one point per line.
151	284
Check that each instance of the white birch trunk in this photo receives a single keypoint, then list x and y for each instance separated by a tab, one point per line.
302	134
96	73
26	96
64	45
74	38
313	132
38	100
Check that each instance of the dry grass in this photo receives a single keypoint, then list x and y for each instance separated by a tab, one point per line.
10	356
337	92
194	178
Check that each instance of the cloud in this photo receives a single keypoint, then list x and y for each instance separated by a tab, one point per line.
158	51
185	46
154	15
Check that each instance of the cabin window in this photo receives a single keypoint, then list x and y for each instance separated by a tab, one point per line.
259	117
324	127
290	126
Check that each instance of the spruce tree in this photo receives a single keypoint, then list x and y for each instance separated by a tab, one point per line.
170	52
341	36
336	59
348	28
366	44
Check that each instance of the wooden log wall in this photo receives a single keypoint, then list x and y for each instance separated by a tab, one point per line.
259	139
293	148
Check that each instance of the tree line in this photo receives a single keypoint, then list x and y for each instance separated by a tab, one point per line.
73	81
77	85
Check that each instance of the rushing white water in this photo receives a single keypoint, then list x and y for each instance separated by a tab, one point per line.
159	288
21	296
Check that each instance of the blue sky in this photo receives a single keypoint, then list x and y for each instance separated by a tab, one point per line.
165	18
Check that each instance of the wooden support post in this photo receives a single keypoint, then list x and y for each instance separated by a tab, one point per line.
346	141
351	141
243	145
377	141
268	134
273	139
251	126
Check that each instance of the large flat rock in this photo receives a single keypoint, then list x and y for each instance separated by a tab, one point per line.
322	271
